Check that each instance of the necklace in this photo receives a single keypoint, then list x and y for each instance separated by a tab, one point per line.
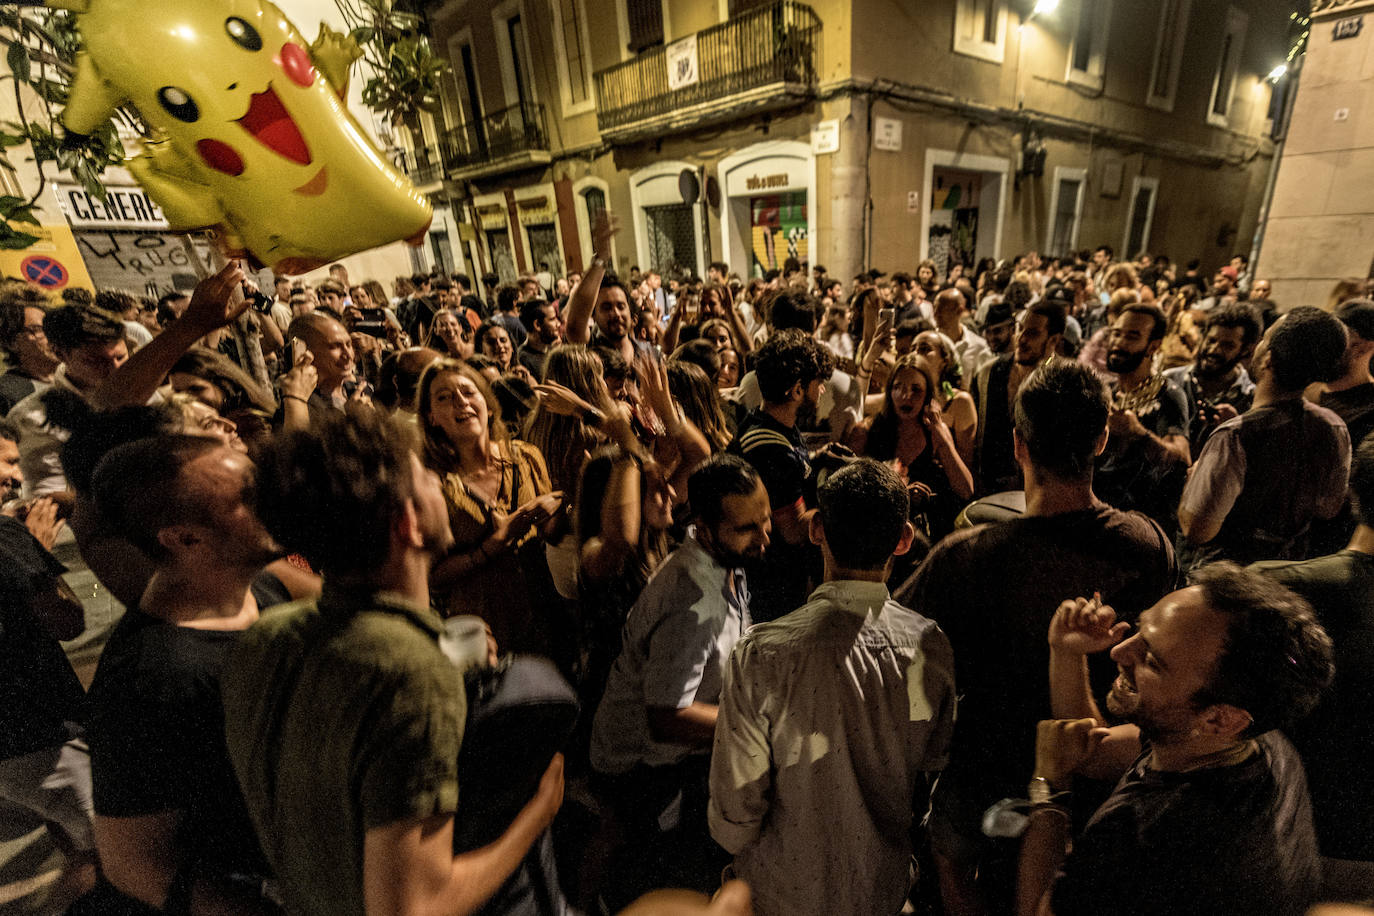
1138	397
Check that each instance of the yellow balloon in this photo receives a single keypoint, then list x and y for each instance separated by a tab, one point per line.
250	133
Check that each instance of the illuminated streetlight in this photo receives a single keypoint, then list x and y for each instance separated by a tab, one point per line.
1044	7
1277	73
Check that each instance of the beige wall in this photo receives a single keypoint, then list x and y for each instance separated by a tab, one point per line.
1206	211
1321	221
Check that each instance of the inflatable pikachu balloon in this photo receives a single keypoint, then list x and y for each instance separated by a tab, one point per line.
251	135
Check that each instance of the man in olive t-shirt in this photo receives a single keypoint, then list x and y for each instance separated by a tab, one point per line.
343	716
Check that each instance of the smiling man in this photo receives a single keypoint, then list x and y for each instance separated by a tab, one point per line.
1216	386
1213	814
1144	464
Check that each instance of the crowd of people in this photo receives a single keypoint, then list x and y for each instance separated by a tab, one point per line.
550	597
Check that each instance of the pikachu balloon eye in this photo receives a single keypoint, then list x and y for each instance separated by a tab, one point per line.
243	34
179	104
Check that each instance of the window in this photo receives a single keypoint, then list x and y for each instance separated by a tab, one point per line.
980	29
1173	30
574	64
1228	64
467	96
512	47
591	197
645	21
595	201
1142	214
1088	50
672	239
469	133
515	31
1066	209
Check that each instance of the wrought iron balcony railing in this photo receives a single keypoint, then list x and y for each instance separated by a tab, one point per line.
769	45
423	166
497	135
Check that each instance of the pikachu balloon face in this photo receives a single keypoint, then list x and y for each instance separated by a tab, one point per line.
251	135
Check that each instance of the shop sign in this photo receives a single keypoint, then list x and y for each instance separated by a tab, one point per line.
768	176
123	208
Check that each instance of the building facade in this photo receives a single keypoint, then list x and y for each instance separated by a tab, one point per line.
871	133
1320	226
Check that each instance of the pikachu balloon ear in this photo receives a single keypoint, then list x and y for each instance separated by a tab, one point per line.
249	135
91	100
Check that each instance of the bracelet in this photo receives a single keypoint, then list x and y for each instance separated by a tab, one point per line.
294	397
1041	792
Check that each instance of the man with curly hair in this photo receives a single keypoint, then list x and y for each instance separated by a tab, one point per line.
791	368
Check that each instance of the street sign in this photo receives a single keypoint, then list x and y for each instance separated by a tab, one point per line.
887	134
45	271
825	137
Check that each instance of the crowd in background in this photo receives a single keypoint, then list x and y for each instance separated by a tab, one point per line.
538	597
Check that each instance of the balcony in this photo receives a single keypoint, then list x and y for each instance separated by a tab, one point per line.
423	166
503	141
760	60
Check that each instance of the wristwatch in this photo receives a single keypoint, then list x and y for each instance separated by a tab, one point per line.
598	261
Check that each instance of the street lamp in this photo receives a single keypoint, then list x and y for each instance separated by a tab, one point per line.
1044	7
1277	73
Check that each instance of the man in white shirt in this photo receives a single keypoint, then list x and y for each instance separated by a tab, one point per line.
652	733
970	350
829	718
281	303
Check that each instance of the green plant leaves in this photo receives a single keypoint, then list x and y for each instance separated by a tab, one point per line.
18	59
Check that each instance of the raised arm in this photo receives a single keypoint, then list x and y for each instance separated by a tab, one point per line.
584	297
742	338
216	302
1079	628
604	555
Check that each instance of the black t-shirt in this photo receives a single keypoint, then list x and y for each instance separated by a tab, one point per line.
38	689
993	590
777	584
1337	740
1228	840
157	742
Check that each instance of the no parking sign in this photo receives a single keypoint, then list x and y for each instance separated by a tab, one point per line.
44	270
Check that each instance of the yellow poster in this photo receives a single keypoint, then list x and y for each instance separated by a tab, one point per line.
52	263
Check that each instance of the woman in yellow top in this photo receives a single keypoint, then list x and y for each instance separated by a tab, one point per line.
499	499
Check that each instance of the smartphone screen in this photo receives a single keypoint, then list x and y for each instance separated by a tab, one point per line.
887	316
